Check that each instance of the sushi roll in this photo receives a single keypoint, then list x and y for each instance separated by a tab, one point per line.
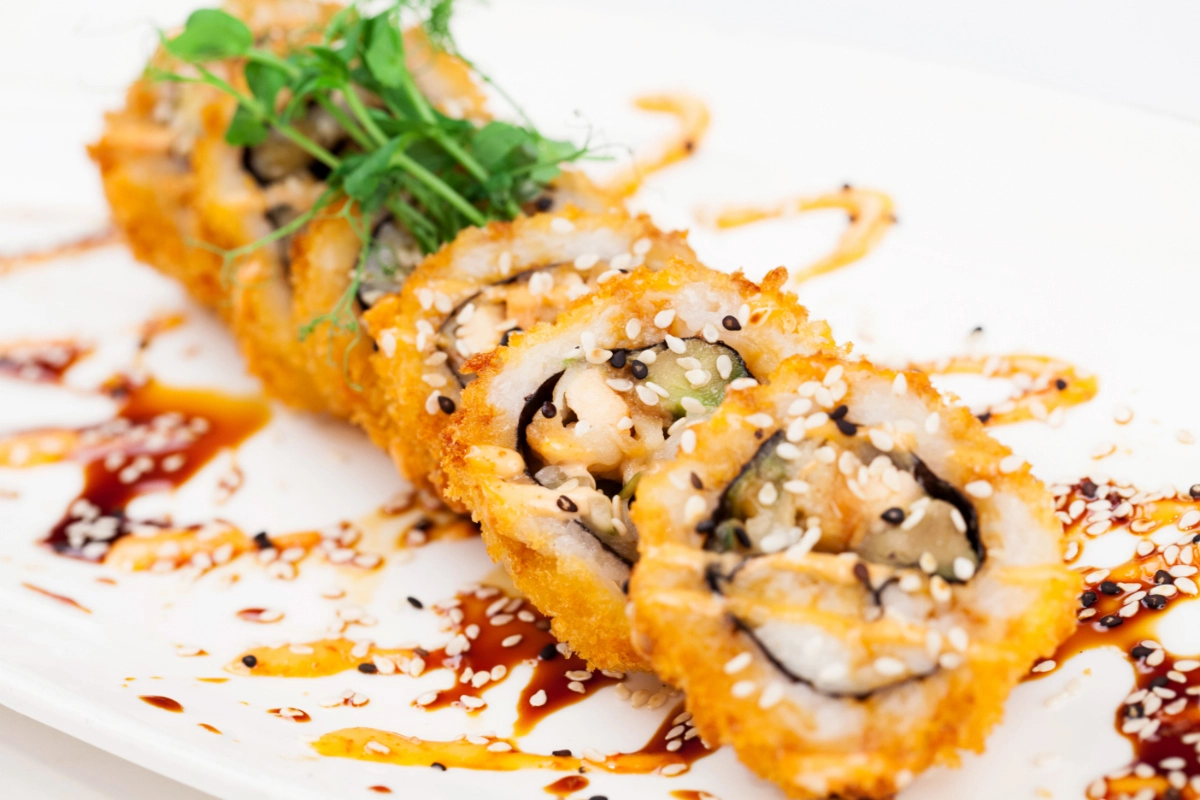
246	193
480	290
323	260
557	432
847	576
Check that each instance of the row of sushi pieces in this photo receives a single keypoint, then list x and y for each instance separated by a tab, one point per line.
844	573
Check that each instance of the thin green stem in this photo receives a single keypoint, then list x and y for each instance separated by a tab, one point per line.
345	121
364	117
439	186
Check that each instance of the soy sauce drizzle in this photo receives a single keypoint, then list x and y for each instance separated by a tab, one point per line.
491	633
160	437
41	362
1120	607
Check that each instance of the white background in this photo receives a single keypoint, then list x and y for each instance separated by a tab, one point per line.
1140	54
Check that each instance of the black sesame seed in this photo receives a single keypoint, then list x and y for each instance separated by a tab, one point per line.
625	586
446	404
862	573
730	323
696	482
262	540
1162	576
1087	487
424	524
1154	601
1195	491
639	369
839	412
250	661
1061	384
549	653
567	504
846	427
1111	621
977	329
743	538
415	603
598	797
421	651
1172	794
367	668
1158	681
707	526
1140	651
561	753
508	335
549	410
893	516
1087	599
1110	588
618	359
543	203
1135	711
846	187
984	417
1196	539
438	766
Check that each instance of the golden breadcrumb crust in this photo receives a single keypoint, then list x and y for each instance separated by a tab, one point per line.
684	629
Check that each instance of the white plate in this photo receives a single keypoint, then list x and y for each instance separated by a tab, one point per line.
1060	225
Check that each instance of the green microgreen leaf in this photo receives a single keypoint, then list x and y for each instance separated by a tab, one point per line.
265	81
246	129
210	35
384	54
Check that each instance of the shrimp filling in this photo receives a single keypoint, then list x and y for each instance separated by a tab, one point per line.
591	431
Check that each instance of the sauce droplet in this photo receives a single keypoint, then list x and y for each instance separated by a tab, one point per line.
62	598
209	728
567	785
165	703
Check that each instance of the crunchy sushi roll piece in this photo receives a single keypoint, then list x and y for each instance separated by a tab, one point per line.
559	430
246	193
847	576
475	294
323	262
147	149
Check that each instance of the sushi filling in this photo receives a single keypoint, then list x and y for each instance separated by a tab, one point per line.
484	321
394	254
591	431
870	539
278	157
835	491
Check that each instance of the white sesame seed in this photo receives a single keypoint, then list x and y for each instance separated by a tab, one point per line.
981	489
795	486
900	385
833	375
691	405
1010	464
375	747
694	509
687	442
889	667
743	689
619	384
647	396
633	328
738	663
882	440
1189	520
561	225
964	568
1044	666
499	747
932	422
586	261
768	494
663	319
742	383
675	344
621	262
787	451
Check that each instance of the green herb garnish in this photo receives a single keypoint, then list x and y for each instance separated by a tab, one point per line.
435	174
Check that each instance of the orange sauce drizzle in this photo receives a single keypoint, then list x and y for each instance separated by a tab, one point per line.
62	598
1044	384
209	728
692	794
79	246
693	116
1120	608
522	637
503	755
871	213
